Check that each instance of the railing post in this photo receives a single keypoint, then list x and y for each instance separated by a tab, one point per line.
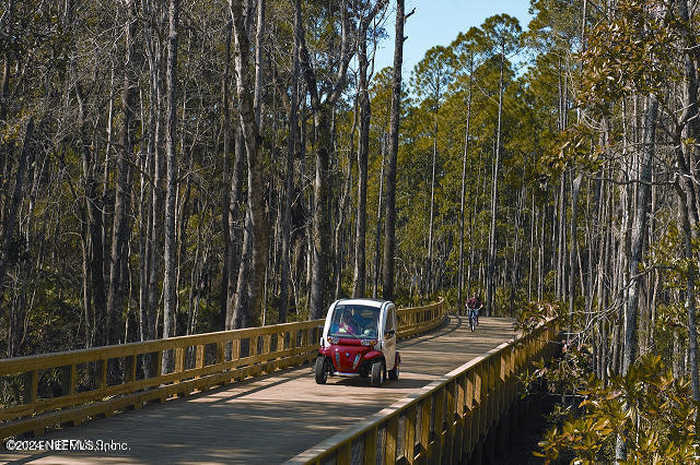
392	430
31	386
130	369
370	452
102	374
345	454
439	423
220	353
156	363
69	379
199	357
426	413
450	423
409	443
179	359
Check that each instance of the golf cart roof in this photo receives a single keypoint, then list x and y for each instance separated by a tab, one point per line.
377	303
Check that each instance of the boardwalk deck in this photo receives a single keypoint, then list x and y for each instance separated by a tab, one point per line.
271	419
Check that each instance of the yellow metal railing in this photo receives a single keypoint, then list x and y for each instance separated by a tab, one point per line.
446	420
104	380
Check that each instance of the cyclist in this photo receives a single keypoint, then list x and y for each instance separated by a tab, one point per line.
474	305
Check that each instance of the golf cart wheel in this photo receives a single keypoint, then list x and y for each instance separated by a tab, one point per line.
320	370
394	374
377	374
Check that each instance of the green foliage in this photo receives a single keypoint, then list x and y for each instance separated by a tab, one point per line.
649	406
628	54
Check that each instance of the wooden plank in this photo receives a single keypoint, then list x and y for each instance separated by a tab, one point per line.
31	386
220	353
390	442
70	377
235	349
439	423
370	447
101	369
344	454
426	415
179	359
409	442
131	364
199	356
157	363
267	343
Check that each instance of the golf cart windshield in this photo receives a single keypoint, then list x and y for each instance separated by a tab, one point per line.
354	321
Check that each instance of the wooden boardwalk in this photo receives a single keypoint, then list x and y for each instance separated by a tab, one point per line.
270	419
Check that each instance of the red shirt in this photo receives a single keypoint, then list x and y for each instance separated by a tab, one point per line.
473	303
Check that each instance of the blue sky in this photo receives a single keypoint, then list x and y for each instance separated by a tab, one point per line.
437	22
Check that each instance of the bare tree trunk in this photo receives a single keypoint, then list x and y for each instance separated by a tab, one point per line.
576	187
256	221
490	285
378	231
120	221
429	272
227	220
460	273
320	223
289	186
358	284
169	279
390	226
342	212
638	240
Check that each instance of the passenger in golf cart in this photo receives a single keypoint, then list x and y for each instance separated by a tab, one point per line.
359	339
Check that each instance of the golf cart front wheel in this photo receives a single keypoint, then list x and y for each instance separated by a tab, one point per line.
377	374
320	370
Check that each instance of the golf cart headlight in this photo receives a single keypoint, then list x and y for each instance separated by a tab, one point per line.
368	342
332	340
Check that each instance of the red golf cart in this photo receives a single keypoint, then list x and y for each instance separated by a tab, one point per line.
359	339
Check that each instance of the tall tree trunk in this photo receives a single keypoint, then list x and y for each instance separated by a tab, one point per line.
429	272
390	225
460	273
120	230
227	220
490	284
358	284
576	187
320	222
638	240
289	186
378	231
169	278
256	222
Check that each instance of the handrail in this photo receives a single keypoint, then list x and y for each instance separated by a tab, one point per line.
456	411
104	380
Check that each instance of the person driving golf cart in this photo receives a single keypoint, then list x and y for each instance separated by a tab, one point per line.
352	323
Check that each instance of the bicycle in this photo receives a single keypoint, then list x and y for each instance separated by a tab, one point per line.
473	320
